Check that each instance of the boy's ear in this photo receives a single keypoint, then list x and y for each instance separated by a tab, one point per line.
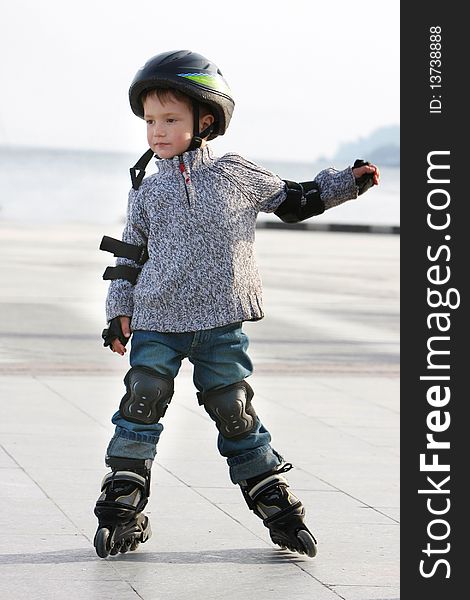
205	121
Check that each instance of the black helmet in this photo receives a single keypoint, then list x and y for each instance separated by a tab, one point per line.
192	74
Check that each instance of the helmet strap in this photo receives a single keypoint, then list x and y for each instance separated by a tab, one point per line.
138	170
198	136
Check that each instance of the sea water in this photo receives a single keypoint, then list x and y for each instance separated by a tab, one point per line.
42	185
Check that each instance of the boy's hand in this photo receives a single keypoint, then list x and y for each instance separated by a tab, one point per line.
366	169
366	175
116	344
117	334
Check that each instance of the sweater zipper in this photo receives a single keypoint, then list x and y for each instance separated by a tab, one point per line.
185	178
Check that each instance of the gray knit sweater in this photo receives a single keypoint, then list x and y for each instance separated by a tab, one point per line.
199	227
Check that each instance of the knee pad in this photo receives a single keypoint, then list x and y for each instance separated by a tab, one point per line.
231	409
147	397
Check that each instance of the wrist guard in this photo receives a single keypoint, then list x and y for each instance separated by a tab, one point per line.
366	181
113	331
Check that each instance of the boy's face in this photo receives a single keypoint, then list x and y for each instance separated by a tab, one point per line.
169	125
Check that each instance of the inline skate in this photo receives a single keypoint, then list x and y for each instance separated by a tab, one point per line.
269	497
125	490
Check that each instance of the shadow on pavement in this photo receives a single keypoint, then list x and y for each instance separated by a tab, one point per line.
241	556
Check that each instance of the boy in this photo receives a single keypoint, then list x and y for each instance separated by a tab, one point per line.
184	282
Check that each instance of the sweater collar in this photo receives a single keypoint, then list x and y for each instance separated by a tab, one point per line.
193	159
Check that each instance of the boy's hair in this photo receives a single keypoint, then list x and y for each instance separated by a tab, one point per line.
164	94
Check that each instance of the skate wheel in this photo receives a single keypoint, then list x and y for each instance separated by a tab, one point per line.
307	541
101	542
146	530
135	544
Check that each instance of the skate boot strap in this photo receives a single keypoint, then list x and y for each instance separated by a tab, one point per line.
284	467
120	476
266	484
296	508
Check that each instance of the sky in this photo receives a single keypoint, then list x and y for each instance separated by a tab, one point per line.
306	75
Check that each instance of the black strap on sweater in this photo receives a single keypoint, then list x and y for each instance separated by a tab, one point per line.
136	253
122	249
122	272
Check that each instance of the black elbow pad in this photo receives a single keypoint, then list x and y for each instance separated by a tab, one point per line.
303	201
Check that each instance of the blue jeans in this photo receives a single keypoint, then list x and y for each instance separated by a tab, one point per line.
220	358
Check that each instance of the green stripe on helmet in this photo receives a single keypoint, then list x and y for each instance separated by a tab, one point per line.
211	81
